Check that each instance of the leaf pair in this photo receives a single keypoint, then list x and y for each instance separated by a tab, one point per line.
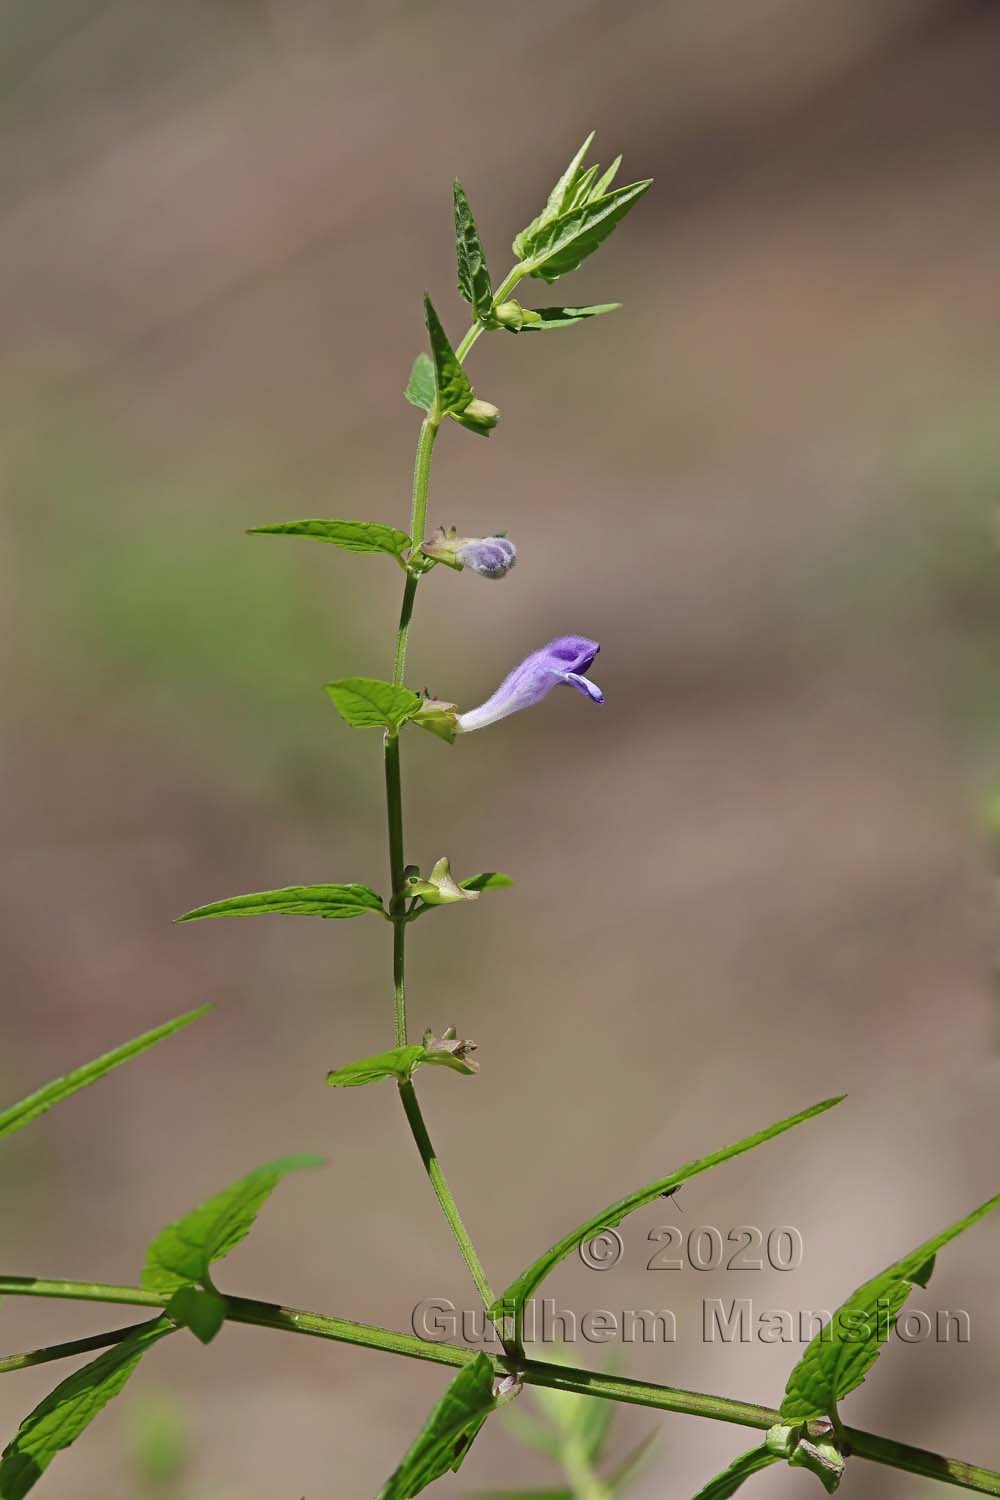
581	212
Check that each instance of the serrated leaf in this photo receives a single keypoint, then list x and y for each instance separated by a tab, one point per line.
183	1253
331	901
16	1116
451	384
473	276
538	319
513	1299
448	1432
742	1468
59	1420
561	245
397	1063
202	1312
420	387
352	536
559	200
489	880
367	703
840	1356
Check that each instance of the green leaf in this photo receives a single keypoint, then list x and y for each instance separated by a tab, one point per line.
560	199
448	1432
420	388
367	703
353	536
16	1116
625	1471
451	384
840	1356
559	246
398	1063
473	277
202	1312
183	1253
538	319
490	880
742	1468
59	1420
294	901
514	1298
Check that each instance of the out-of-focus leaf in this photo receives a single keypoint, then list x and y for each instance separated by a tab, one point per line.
294	901
368	703
352	536
16	1116
452	389
473	276
184	1252
420	387
448	1432
840	1356
511	1301
59	1420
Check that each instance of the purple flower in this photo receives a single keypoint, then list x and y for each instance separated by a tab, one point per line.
491	556
563	660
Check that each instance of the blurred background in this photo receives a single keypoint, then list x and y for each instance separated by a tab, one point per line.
761	874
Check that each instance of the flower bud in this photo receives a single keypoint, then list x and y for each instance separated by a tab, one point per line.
489	556
478	416
440	887
510	315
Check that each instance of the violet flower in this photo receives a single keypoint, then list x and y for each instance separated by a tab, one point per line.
490	556
563	660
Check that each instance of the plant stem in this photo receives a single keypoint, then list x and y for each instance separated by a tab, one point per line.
432	1167
864	1445
66	1351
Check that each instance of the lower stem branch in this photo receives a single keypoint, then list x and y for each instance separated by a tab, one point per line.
864	1445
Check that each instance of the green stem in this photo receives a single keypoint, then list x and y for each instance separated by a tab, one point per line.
66	1351
432	1167
864	1445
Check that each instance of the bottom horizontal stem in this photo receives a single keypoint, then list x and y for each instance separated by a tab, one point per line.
864	1445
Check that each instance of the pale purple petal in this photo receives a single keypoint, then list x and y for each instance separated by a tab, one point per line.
490	556
561	661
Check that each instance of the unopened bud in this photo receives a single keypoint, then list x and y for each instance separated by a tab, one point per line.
478	416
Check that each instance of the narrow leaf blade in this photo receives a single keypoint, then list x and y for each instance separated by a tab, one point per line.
741	1469
515	1296
183	1253
16	1116
559	199
420	386
397	1063
840	1356
564	317
489	880
331	901
447	1434
563	244
352	536
367	703
64	1414
473	276
452	389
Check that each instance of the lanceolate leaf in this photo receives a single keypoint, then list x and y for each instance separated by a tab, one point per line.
744	1467
513	1299
62	1416
840	1356
561	245
537	320
560	199
184	1252
398	1063
367	703
420	388
353	536
452	388
490	880
448	1432
294	901
18	1115
473	277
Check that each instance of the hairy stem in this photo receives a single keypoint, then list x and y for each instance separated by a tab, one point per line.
863	1445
